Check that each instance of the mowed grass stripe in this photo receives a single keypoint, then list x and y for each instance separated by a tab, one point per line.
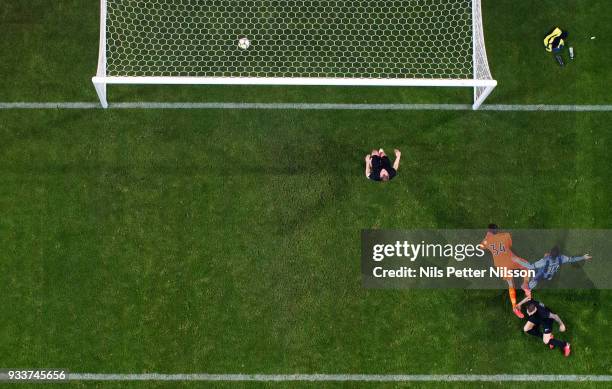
228	241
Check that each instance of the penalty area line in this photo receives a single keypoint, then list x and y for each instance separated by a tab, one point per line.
311	106
342	377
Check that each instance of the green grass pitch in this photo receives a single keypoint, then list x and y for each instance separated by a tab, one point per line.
227	241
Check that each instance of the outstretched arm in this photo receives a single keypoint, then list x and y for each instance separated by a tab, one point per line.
398	155
368	167
523	301
566	259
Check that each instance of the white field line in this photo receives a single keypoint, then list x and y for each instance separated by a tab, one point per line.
310	106
342	377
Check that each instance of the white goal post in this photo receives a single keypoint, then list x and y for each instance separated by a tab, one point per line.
294	42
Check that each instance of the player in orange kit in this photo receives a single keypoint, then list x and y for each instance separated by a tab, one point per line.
500	245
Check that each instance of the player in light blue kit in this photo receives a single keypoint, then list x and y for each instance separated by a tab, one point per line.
547	266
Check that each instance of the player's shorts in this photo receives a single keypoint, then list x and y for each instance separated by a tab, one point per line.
380	162
547	324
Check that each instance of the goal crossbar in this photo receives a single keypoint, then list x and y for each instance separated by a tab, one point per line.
292	81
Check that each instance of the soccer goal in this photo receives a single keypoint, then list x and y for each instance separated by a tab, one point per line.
294	42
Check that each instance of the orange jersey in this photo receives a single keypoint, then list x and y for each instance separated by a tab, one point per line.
500	246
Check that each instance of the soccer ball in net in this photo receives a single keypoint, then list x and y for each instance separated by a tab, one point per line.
244	43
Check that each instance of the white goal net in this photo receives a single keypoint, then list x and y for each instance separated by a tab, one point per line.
294	42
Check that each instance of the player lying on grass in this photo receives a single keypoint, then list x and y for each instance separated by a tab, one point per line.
547	266
378	166
539	315
500	244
